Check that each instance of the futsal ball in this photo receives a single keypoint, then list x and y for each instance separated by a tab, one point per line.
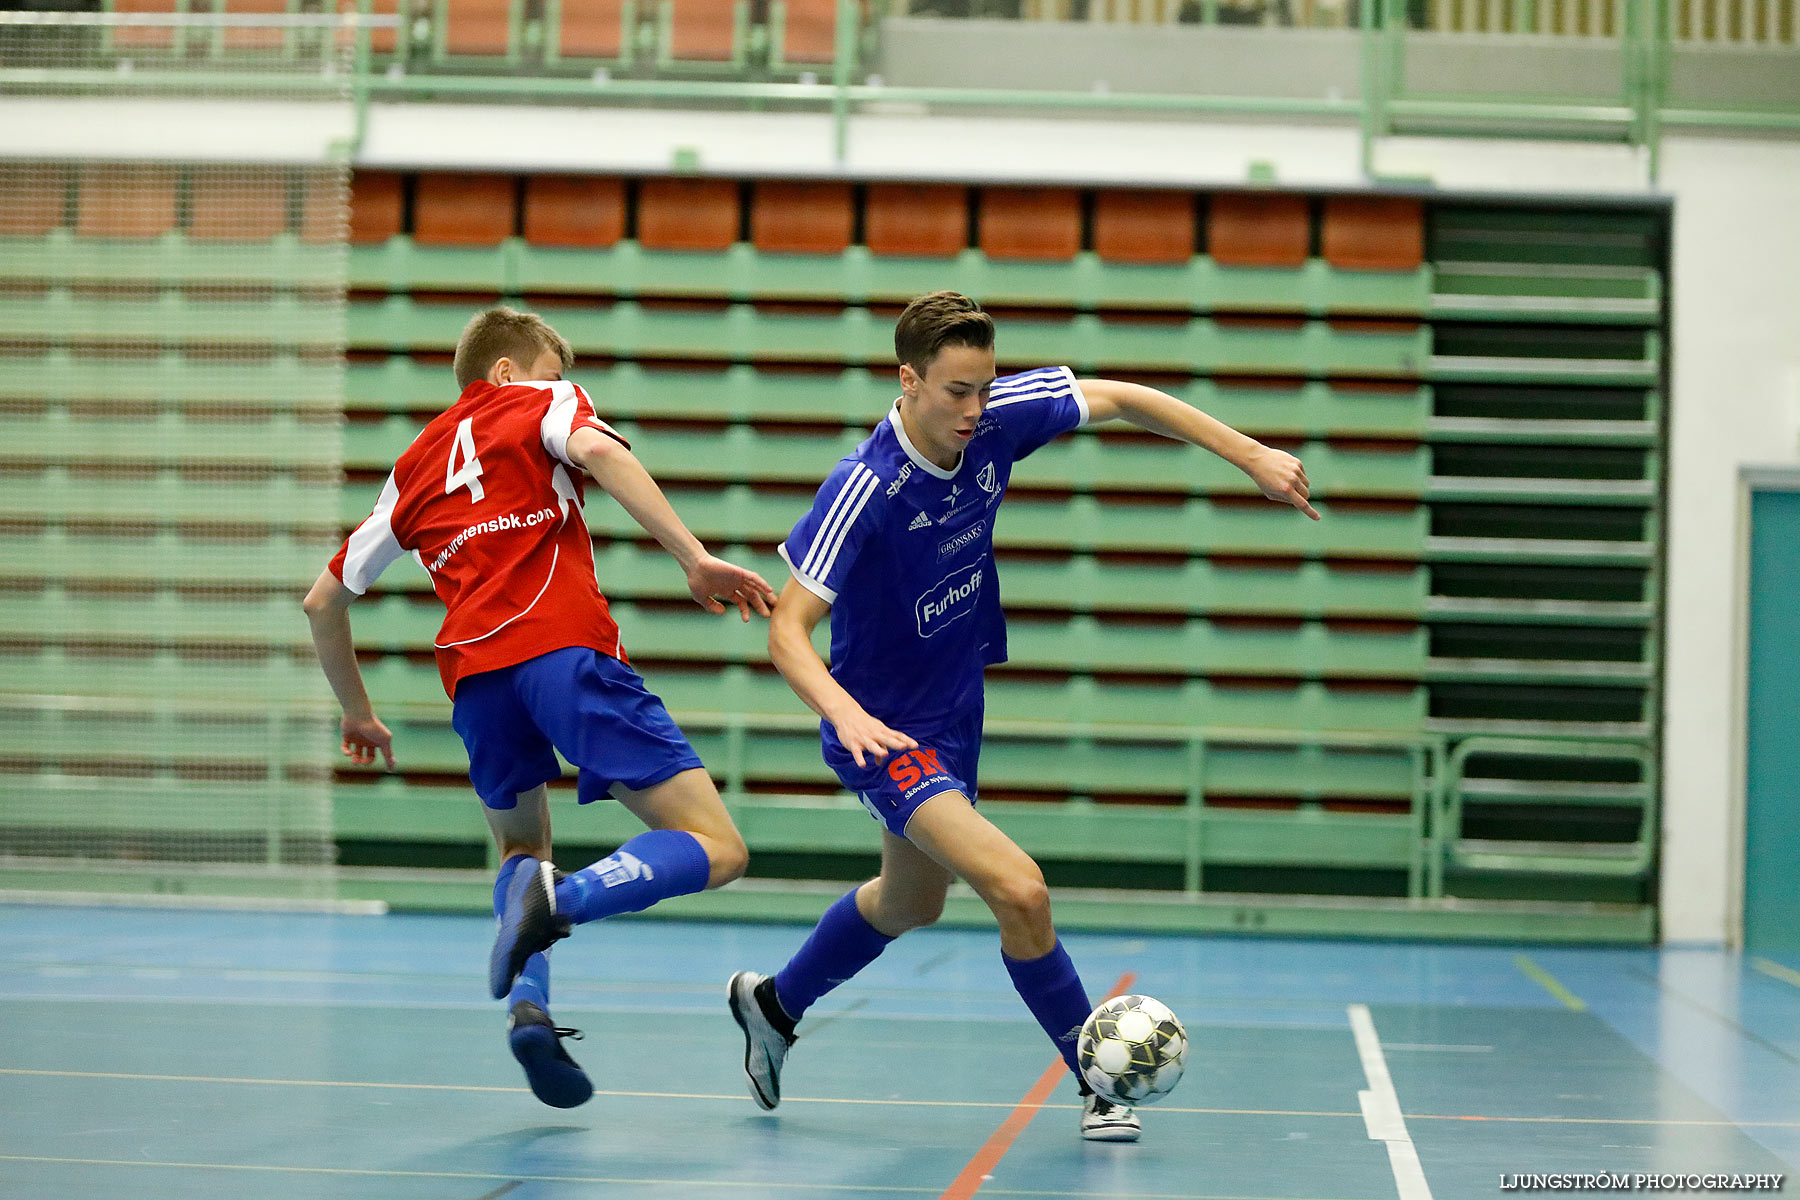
1132	1050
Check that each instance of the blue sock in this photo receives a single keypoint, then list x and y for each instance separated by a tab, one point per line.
506	873
650	867
842	944
1052	991
533	983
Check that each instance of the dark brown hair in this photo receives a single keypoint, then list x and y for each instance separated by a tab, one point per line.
503	332
936	320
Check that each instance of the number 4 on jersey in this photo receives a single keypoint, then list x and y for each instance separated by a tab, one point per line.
469	474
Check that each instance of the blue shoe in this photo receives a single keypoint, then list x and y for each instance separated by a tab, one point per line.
528	923
555	1078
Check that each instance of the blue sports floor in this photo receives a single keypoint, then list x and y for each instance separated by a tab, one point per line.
209	1054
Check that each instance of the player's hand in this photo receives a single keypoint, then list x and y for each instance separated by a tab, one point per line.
713	583
861	734
1279	476
364	737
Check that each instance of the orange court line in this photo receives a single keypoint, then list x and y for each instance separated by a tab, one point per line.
980	1168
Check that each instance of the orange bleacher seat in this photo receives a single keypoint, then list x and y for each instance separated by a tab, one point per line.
688	214
926	220
255	37
236	205
31	199
1258	229
801	218
574	210
143	37
126	202
1144	227
702	30
376	205
463	210
1033	223
1373	233
381	41
810	35
477	27
324	211
591	29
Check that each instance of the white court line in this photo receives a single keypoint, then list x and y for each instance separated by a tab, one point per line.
1381	1109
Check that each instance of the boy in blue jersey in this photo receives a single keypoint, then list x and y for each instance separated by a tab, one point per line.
898	549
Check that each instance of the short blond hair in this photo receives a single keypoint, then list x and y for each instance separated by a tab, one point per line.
503	332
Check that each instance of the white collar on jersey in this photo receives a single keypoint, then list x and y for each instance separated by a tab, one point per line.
912	452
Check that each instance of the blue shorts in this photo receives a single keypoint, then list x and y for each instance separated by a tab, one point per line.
893	789
588	705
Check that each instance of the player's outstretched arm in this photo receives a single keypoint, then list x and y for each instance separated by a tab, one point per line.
797	613
327	608
1276	473
710	580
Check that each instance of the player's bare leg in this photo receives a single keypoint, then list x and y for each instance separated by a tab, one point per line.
909	892
949	830
689	803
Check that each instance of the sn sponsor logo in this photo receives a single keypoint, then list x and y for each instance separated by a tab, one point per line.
915	769
952	598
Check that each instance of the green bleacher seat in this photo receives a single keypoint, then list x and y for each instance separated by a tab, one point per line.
61	315
81	439
740	332
163	558
1083	283
280	500
858	396
1226	526
706	691
743	454
279	383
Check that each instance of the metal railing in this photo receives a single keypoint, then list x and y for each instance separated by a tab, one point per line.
1629	101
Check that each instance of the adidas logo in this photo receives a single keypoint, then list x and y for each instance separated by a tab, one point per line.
920	522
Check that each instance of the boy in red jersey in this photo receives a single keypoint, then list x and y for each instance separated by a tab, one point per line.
488	498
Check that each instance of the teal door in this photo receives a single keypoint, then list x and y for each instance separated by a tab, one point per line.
1772	780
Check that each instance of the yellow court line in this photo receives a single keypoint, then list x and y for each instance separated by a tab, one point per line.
1549	983
737	1098
1776	971
486	1176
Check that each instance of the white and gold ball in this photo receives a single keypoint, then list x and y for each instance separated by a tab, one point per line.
1132	1050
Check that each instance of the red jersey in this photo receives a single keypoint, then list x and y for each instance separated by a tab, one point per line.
488	501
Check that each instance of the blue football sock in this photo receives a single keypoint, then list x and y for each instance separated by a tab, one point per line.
650	867
842	944
1052	991
533	983
506	873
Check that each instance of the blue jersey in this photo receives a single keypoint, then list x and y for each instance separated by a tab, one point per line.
903	551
